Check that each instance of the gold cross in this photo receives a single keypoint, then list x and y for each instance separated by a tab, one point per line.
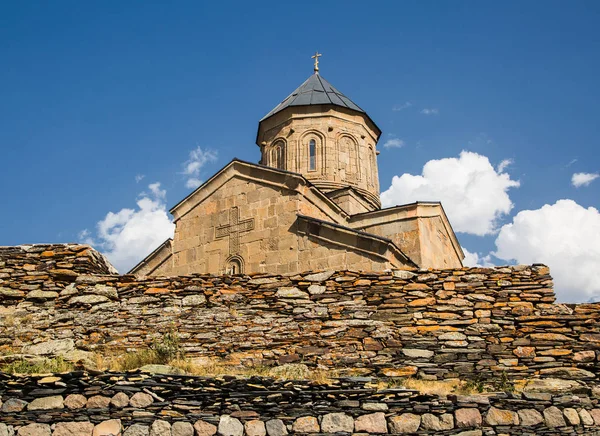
316	58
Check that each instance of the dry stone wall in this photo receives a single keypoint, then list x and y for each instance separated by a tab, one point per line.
135	404
433	324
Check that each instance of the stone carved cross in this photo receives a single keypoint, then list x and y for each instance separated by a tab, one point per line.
233	230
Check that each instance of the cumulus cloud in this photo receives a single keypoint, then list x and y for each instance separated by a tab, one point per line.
127	236
432	111
197	159
139	178
477	259
473	193
401	107
566	237
583	179
393	143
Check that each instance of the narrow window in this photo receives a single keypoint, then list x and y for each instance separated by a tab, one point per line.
234	267
312	158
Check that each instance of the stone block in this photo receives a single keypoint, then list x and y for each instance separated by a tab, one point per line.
586	418
553	417
371	423
160	428
337	422
13	405
98	402
571	416
530	417
136	430
46	403
6	430
254	427
203	428
276	427
405	423
80	428
467	417
35	429
75	401
111	427
119	400
141	400
496	416
182	428
229	426
430	421
306	424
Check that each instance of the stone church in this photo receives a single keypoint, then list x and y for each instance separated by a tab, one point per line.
311	203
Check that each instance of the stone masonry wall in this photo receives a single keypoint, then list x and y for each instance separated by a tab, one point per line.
434	324
140	404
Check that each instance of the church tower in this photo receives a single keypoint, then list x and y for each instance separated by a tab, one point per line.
320	133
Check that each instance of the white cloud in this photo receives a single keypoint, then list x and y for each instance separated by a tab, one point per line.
393	143
473	193
401	107
197	159
583	179
566	237
504	164
432	111
139	178
476	259
127	236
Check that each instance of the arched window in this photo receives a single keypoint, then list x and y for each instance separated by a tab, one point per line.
276	159
312	155
234	266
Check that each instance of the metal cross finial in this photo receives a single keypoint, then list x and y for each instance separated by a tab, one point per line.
316	58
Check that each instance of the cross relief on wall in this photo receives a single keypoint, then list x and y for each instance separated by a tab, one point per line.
234	229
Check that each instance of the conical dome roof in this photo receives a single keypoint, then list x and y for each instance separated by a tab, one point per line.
315	90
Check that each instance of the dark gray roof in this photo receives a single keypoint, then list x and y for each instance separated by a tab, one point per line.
316	90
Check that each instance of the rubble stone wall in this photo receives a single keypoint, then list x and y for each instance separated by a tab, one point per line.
434	324
137	404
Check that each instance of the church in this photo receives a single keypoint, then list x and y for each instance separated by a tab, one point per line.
311	203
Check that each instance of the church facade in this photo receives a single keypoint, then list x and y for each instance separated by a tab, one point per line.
312	202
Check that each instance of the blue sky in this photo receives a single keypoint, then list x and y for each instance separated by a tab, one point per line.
95	94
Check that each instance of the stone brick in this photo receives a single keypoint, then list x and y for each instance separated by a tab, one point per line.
119	400
467	417
13	405
46	403
137	430
111	427
405	423
306	424
229	426
530	417
496	416
140	400
80	428
433	422
571	416
75	401
98	402
371	423
276	427
337	422
203	428
553	417
160	428
34	429
182	428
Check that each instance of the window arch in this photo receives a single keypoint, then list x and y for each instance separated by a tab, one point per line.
312	155
235	265
276	156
